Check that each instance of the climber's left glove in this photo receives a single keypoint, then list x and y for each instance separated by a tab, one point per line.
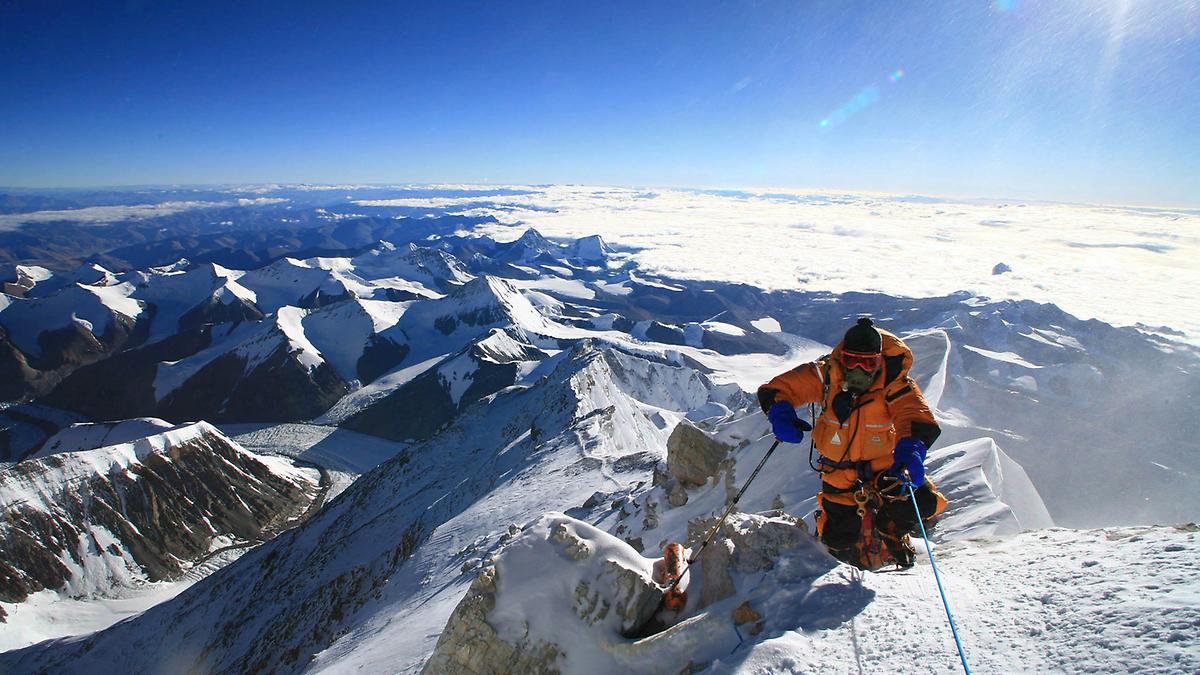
909	455
787	426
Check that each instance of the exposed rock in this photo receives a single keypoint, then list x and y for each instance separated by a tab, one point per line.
571	545
470	645
503	623
660	475
758	541
728	467
718	583
636	543
628	592
160	502
651	520
693	456
678	495
744	613
746	543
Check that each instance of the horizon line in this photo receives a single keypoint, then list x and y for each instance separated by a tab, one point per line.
758	189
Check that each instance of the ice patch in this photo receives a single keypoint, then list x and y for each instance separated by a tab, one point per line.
1007	357
767	325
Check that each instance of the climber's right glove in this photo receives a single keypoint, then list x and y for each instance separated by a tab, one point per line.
909	456
787	426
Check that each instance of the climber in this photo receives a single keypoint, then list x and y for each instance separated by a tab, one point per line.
874	427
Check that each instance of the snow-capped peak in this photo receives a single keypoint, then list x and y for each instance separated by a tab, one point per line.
591	249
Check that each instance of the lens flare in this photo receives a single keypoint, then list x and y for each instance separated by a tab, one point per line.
866	97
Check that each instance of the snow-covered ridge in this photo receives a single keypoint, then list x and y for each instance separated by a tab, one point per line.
989	493
93	521
39	482
568	596
426	512
89	436
94	308
561	593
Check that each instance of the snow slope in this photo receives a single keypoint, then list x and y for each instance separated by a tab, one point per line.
88	436
387	555
1021	599
1113	600
94	308
1119	600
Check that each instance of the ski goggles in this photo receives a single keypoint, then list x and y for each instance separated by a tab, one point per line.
868	362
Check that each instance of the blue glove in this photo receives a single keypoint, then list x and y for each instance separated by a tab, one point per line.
785	424
909	454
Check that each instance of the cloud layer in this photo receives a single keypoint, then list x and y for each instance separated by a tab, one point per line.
1123	265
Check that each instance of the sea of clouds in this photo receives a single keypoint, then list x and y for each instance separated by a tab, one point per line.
1123	265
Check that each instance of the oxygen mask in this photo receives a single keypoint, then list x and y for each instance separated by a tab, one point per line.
858	381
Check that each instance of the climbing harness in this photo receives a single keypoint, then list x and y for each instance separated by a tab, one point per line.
870	548
953	629
869	498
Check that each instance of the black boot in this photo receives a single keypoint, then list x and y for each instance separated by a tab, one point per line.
848	554
902	551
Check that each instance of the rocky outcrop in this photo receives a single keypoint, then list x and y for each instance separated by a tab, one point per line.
613	594
419	408
747	544
567	597
693	456
470	646
83	522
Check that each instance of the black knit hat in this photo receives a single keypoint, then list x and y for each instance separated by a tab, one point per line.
863	338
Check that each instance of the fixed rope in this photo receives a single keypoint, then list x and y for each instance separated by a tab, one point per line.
938	577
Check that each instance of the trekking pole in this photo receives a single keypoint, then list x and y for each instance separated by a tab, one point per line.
728	510
953	629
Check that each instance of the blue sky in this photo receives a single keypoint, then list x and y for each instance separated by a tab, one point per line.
1080	100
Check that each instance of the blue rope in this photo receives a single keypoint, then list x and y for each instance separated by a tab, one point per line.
938	577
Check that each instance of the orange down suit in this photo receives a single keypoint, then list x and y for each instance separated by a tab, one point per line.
893	408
